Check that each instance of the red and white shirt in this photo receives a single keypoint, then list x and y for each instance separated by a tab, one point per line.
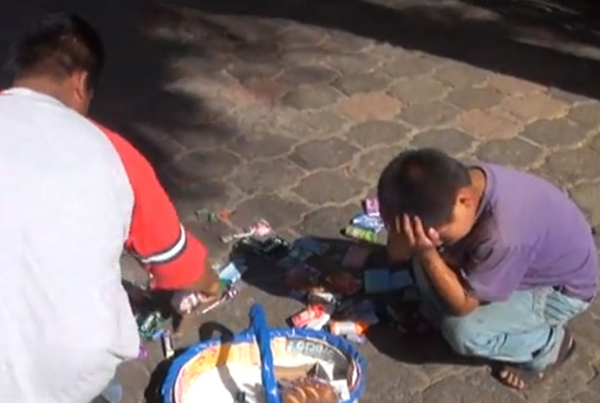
73	194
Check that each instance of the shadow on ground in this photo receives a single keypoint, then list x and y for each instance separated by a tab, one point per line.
207	331
134	95
408	346
551	42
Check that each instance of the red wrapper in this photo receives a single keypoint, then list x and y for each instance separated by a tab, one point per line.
344	283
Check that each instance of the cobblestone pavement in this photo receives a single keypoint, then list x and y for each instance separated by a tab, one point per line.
289	110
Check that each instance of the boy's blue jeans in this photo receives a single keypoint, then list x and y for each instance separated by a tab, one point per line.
526	329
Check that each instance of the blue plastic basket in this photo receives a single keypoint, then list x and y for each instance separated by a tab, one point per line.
268	344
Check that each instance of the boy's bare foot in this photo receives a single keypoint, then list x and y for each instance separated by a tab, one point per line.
520	378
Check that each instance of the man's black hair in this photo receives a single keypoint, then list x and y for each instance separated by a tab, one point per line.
57	45
422	183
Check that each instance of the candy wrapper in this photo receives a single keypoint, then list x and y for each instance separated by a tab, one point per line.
233	271
186	301
260	229
371	206
365	221
356	257
301	276
344	283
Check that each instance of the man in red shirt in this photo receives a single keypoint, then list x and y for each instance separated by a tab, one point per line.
75	194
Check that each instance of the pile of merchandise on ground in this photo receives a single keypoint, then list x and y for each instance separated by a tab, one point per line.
345	287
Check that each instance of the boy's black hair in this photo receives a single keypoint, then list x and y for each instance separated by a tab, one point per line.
57	45
422	183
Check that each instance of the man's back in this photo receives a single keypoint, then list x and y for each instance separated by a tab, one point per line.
538	233
64	215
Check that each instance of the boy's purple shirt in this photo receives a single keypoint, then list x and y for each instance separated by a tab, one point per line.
528	234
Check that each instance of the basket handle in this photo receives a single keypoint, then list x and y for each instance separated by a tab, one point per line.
258	324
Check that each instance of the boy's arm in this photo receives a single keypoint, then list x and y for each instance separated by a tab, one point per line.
172	255
495	277
447	284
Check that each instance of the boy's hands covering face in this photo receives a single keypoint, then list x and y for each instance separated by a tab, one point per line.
419	240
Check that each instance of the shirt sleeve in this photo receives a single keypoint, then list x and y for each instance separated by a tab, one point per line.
174	258
498	272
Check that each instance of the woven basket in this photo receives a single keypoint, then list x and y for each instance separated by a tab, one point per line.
213	371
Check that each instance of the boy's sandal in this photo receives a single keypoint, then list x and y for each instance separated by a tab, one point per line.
520	378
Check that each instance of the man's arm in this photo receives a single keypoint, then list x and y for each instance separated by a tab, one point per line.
447	284
172	255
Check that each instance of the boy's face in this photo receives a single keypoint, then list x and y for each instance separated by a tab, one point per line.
461	221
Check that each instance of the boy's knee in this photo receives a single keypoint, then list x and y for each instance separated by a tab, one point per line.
465	335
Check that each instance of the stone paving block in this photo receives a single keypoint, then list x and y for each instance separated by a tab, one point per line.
327	153
311	124
134	377
343	41
300	37
386	51
573	165
513	86
409	67
204	164
243	70
267	176
356	83
490	124
299	75
277	210
268	90
566	96
477	388
418	90
587	115
210	233
330	187
234	95
474	98
430	114
346	64
376	132
368	106
314	96
451	141
301	57
587	196
535	106
459	75
515	152
371	163
214	195
261	146
404	386
327	222
555	132
595	143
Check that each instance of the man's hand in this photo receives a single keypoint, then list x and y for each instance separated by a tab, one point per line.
208	284
419	240
424	244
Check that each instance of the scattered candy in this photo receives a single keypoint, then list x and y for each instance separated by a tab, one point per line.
368	222
167	344
229	294
186	301
372	206
261	229
356	256
344	283
233	271
361	234
306	316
